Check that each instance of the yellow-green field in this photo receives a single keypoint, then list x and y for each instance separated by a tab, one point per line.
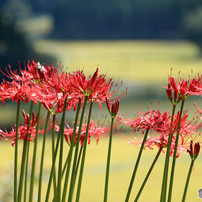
142	62
133	62
122	162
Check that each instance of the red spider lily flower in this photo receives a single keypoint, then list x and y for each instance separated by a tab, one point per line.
160	141
177	97
97	130
187	126
55	91
194	152
17	91
23	130
184	88
83	85
95	87
23	84
113	107
34	72
152	119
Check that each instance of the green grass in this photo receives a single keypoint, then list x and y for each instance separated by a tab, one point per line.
122	162
136	62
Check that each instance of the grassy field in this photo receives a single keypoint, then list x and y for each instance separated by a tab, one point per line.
142	62
122	163
137	64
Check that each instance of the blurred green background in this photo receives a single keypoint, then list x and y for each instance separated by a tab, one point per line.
136	42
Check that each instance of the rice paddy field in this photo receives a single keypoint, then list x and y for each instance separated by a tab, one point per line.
143	66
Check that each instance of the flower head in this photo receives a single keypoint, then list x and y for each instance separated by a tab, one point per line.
194	151
152	119
183	88
24	132
113	107
96	130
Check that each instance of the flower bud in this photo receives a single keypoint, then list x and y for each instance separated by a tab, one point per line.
194	152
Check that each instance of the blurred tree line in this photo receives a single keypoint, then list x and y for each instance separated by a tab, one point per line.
128	19
106	19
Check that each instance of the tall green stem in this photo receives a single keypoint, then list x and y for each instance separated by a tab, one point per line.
61	134
42	157
166	165
71	152
73	176
16	155
53	147
34	156
84	154
148	174
27	153
187	181
136	166
55	154
175	154
23	173
108	162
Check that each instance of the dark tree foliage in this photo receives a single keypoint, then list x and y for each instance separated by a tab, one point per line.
117	19
192	26
14	48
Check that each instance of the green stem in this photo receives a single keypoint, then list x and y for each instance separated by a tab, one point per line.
108	162
24	158
175	154
61	134
55	155
66	163
148	174
34	156
73	176
16	154
84	155
79	158
187	182
71	152
42	157
27	153
166	165
136	166
53	146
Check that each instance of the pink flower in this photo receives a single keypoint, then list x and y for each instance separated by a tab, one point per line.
183	88
24	132
152	119
17	91
96	130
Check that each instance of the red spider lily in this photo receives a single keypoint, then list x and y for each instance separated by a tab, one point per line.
152	119
113	107
23	85
23	130
187	126
34	72
17	91
95	87
97	130
194	152
55	91
83	85
177	97
184	88
161	141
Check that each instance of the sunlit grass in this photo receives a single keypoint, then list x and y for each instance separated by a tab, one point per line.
122	162
136	62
